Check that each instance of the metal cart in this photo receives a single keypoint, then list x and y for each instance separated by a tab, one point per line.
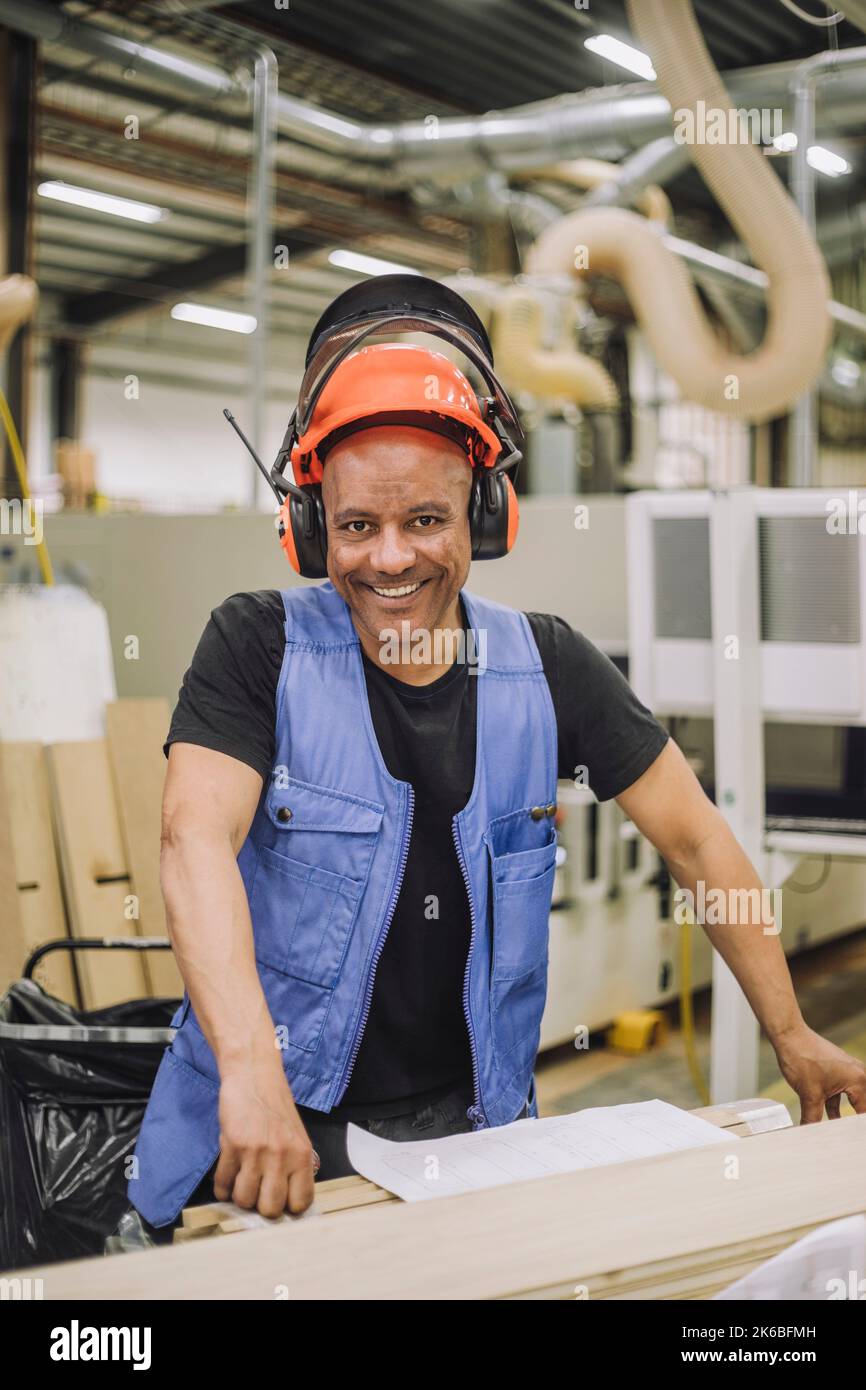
73	1088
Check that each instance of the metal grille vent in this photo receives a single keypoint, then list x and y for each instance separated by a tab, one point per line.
681	548
809	581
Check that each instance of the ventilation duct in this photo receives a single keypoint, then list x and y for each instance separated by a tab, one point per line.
551	374
608	121
18	296
591	174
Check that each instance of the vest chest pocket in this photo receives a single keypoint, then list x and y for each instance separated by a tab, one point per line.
521	891
306	893
302	917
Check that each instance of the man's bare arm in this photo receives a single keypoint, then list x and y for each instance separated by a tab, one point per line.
670	807
210	799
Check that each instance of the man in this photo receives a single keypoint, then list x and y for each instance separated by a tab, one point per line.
359	849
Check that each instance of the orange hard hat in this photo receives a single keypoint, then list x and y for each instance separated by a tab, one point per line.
394	384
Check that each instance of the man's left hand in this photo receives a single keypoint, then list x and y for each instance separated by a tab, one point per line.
821	1073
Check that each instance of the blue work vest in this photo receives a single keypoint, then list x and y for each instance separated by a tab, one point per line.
323	865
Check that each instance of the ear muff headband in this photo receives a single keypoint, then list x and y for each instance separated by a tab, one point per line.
334	349
498	409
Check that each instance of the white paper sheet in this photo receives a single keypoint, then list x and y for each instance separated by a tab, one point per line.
426	1168
827	1265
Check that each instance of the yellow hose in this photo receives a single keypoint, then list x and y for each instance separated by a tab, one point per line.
687	1018
21	470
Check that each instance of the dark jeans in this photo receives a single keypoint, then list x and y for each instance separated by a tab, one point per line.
444	1116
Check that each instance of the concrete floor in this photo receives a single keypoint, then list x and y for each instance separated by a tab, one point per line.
830	981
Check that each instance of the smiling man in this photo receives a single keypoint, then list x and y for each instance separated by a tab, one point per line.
359	845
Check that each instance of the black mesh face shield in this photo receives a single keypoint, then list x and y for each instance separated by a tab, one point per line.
389	304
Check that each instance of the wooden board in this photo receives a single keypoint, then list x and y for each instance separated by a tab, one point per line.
336	1195
94	869
24	787
12	945
136	731
553	1234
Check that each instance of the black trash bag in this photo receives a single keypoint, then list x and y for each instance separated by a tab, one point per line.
70	1112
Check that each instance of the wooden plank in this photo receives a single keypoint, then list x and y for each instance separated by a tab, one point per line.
337	1184
94	869
13	949
40	899
186	1233
694	1271
558	1231
346	1194
136	731
352	1200
205	1217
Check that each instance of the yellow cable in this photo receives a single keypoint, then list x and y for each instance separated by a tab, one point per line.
21	470
687	1020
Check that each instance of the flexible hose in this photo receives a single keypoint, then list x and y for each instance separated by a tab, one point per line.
763	384
651	200
526	365
18	298
687	1017
21	469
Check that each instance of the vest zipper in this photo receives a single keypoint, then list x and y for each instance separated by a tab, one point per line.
476	1111
380	946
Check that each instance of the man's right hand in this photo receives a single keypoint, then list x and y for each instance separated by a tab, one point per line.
266	1159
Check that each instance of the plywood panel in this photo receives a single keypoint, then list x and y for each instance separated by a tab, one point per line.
551	1234
94	869
40	900
136	731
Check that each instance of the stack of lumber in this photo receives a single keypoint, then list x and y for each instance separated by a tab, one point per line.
79	856
227	1219
743	1118
675	1226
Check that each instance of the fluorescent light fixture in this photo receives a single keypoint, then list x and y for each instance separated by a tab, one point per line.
368	265
846	371
101	202
210	317
818	156
786	142
606	46
826	162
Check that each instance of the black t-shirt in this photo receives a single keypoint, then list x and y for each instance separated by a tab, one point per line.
415	1042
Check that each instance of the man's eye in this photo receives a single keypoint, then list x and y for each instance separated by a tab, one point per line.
352	525
426	521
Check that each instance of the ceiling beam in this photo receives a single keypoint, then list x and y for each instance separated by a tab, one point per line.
163	284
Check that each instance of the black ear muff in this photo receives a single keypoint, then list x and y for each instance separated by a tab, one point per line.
309	536
492	514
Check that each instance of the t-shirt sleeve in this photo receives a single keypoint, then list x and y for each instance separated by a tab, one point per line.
602	725
227	701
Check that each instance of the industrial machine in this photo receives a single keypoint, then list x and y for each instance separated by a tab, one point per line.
748	606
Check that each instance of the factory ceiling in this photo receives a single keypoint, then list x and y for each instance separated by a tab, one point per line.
101	276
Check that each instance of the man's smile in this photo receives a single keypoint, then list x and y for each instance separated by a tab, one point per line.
393	593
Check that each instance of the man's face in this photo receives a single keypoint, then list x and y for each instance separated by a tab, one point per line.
396	506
